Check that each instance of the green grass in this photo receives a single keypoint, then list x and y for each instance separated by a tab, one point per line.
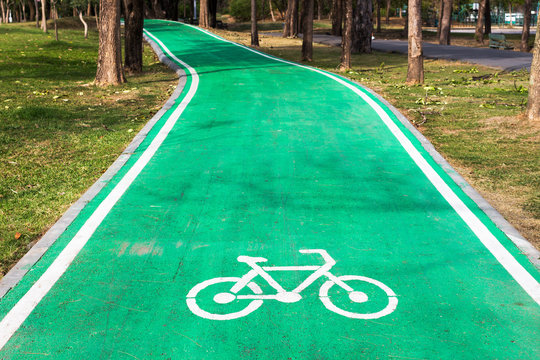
58	132
472	114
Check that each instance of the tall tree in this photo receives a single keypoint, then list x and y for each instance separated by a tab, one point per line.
133	29
388	4
337	17
204	14
446	22
37	13
109	64
487	17
43	15
533	107
79	6
307	31
362	26
32	10
526	26
346	42
254	32
415	69
479	32
378	2
212	13
291	19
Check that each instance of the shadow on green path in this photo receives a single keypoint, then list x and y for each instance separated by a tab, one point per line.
268	159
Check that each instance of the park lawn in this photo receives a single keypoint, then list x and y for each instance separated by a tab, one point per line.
472	115
58	132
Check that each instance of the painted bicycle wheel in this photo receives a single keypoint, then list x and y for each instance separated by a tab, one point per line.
222	298
385	303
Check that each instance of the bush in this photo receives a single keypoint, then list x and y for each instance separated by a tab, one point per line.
241	10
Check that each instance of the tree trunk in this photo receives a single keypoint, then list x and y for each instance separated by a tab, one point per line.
405	33
109	65
2	9
203	14
96	15
388	4
32	10
415	70
291	19
88	9
271	11
441	11
23	10
254	32
337	17
307	31
533	107
526	26
319	9
346	42
37	13
362	27
212	13
133	38
487	17
479	33
43	16
157	9
378	15
286	24
446	22
55	17
84	23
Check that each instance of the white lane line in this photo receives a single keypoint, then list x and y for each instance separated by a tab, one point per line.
516	270
16	316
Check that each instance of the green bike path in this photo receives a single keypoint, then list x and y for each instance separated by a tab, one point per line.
267	158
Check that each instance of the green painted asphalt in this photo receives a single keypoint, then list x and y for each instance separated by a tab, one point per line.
268	159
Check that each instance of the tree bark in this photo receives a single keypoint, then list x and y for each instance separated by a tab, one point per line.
32	10
346	42
133	39
446	22
254	32
319	9
203	14
84	23
441	11
43	16
3	10
337	17
157	9
388	4
526	26
109	65
363	27
479	33
487	17
96	16
37	13
378	15
291	19
533	107
415	70
212	13
307	31
271	11
55	17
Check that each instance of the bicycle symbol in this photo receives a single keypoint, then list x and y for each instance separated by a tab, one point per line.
257	297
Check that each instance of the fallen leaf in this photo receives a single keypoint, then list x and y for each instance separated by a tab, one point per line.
17	235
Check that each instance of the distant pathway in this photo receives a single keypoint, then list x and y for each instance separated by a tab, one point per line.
503	59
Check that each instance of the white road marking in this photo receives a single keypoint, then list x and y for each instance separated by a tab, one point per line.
514	268
18	314
284	296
